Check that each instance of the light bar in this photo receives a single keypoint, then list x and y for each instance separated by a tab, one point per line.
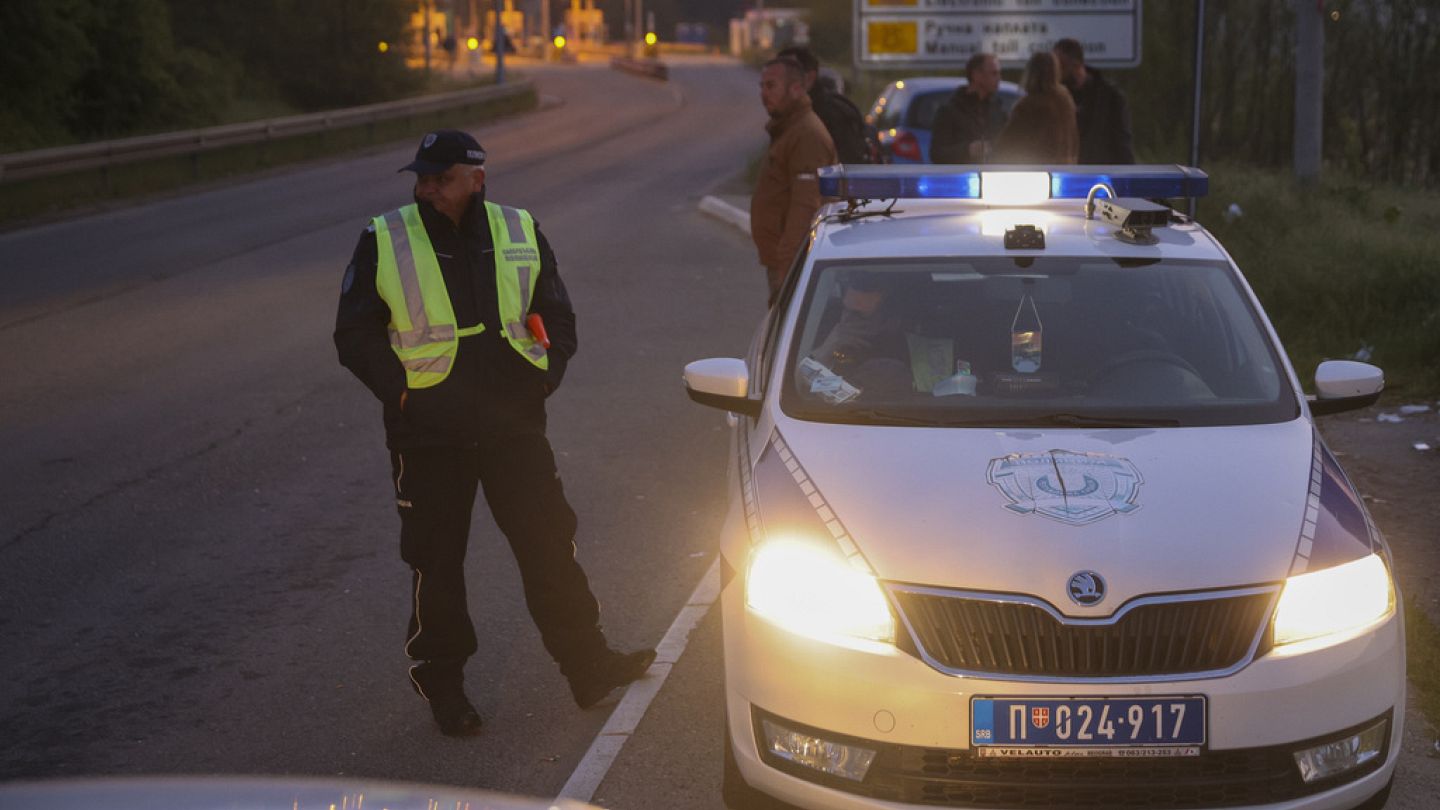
945	182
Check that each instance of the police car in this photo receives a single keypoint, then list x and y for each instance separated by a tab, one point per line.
1028	509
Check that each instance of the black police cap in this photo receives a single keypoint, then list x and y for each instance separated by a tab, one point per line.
442	149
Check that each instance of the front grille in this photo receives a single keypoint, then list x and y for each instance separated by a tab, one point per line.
952	777
1157	636
1215	779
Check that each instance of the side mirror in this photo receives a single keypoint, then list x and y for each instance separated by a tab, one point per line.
1345	385
721	382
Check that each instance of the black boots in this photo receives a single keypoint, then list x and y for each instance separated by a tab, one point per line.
613	669
443	688
442	685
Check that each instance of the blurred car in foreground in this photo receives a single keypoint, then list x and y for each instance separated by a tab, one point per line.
904	114
258	793
1028	509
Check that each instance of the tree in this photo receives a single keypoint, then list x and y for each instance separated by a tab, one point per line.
139	80
46	43
313	54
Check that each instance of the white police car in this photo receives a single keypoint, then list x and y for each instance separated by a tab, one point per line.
1028	509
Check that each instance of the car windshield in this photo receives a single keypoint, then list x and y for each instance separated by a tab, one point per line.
1082	342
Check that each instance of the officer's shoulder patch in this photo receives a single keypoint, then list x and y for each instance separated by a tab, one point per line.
349	279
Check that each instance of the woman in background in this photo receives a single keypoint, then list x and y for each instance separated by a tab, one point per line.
1042	126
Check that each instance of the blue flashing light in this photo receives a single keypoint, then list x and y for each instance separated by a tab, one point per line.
892	182
1152	182
963	182
1071	185
956	186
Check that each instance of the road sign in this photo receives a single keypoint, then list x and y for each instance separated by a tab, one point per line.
944	34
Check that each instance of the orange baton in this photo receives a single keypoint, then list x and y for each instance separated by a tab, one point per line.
537	329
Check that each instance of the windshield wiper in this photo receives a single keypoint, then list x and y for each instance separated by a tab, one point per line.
862	415
1078	420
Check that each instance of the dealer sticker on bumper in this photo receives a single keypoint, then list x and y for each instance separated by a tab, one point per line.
1088	726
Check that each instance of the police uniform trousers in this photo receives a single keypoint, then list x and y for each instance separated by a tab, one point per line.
435	492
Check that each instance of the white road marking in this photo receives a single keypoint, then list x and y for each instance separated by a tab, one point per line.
588	775
725	212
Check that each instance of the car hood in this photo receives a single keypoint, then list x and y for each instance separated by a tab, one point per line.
1015	510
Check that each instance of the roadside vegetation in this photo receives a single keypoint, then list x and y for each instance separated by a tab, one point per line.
110	69
1422	658
104	69
1345	269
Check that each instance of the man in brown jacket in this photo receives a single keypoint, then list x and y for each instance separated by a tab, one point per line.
787	194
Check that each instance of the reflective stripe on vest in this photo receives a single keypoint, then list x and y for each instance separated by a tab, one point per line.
407	276
517	269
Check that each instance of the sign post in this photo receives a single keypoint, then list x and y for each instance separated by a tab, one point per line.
944	34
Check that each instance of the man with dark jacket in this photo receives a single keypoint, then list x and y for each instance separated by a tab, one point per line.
968	123
453	314
842	119
1101	112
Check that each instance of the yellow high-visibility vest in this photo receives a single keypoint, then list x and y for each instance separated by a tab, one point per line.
422	328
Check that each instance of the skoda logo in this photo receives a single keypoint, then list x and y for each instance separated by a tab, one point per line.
1087	588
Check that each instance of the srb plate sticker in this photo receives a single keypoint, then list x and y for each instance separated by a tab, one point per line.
1088	726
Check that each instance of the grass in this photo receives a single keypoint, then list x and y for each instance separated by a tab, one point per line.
1339	266
256	109
1422	651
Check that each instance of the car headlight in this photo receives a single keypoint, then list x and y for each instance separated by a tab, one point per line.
816	593
1346	597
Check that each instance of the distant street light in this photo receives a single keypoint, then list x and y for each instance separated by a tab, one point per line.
650	38
383	47
559	42
473	44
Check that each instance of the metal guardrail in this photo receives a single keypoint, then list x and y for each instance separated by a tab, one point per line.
63	159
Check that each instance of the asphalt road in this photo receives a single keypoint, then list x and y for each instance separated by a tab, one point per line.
198	551
198	547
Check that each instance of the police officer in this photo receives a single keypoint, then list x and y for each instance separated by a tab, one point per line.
453	314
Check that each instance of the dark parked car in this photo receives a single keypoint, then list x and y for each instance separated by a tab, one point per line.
905	112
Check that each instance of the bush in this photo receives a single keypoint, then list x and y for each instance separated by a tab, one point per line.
139	81
103	69
1339	267
32	111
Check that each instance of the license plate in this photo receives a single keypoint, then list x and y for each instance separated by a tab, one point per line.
1087	726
